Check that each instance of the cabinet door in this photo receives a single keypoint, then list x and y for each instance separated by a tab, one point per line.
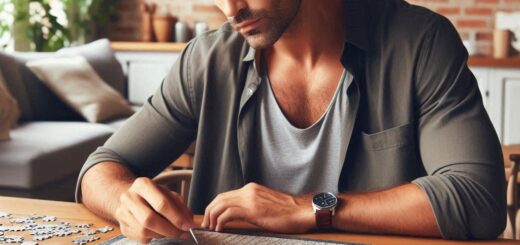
144	78
482	76
145	72
512	111
505	104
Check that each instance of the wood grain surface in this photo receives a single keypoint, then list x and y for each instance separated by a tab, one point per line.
78	214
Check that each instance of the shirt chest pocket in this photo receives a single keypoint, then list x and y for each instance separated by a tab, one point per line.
389	139
389	157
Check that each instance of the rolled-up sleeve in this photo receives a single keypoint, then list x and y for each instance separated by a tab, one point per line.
158	133
458	145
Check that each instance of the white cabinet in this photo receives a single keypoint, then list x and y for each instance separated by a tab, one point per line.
482	76
145	72
504	89
501	93
512	111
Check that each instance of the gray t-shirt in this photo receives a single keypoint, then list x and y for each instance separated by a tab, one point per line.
301	160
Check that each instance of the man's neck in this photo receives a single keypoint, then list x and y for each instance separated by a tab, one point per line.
316	32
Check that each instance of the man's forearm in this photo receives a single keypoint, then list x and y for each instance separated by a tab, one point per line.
101	187
401	210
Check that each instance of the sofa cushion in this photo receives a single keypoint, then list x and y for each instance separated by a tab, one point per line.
44	152
77	84
36	100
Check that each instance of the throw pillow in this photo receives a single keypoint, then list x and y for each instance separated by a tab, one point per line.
9	111
35	99
78	85
101	57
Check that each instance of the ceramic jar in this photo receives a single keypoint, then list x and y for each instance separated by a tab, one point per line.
501	42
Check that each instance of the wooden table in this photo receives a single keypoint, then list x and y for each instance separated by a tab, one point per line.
64	211
77	214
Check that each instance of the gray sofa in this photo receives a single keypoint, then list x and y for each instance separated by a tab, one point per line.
51	142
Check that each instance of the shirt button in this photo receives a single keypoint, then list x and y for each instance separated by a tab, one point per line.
250	91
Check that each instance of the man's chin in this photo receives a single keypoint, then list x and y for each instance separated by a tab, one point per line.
260	40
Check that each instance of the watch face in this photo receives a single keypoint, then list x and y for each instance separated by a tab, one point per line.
325	200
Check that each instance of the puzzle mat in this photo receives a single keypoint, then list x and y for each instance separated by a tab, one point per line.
218	238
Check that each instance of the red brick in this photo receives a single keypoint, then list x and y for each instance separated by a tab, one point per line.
484	36
486	1
471	23
479	11
448	10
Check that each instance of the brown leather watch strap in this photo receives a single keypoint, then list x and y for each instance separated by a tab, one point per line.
323	219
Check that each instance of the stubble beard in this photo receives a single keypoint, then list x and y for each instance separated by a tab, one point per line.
262	40
277	25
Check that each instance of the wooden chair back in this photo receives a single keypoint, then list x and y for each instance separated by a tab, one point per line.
176	180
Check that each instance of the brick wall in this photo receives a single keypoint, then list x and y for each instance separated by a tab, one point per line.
467	15
129	17
472	16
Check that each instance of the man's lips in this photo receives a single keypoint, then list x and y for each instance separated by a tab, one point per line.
247	24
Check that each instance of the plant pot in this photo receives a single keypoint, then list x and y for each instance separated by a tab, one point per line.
162	27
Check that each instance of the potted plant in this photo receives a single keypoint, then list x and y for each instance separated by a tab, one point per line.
88	18
45	25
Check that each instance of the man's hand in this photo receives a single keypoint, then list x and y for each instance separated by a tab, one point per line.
148	210
268	209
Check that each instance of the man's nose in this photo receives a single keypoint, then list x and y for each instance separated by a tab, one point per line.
230	8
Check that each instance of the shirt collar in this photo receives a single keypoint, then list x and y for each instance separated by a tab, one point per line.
356	27
250	56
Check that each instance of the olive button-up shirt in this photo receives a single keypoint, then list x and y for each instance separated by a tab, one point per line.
417	116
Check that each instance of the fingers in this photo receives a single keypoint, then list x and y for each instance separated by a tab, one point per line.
230	204
229	214
130	228
148	211
217	210
207	221
263	207
168	204
150	219
180	204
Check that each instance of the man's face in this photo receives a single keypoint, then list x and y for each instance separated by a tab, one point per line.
261	22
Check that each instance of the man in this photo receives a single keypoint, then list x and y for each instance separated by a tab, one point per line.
368	100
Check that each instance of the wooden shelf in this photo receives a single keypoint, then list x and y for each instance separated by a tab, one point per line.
485	61
147	47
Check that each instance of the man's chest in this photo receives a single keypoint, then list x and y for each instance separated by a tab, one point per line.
305	98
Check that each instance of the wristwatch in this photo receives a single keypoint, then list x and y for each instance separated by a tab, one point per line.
324	206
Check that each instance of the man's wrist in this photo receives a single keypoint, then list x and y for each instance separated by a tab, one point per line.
305	216
101	188
342	212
